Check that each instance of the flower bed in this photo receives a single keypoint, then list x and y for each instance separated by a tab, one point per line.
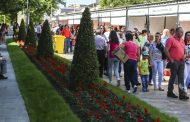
91	102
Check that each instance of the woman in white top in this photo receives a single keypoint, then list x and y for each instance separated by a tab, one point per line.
187	61
156	61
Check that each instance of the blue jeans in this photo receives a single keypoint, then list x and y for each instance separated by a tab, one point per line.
186	76
120	67
66	45
130	73
113	62
157	67
145	82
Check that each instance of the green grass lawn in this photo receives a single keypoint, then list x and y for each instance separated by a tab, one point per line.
42	101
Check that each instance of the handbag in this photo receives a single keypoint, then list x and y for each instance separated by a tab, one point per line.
120	54
161	48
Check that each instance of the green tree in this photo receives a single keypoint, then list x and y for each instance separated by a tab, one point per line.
31	36
37	7
22	31
84	66
45	43
10	8
116	3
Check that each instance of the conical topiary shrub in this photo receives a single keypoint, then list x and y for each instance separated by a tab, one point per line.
84	66
22	31
45	43
31	36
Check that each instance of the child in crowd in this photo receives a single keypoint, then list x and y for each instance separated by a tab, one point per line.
144	71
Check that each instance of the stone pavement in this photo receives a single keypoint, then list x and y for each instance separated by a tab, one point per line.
158	99
12	107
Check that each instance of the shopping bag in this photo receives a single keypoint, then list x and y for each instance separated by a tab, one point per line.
120	54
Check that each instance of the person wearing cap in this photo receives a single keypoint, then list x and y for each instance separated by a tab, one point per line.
143	65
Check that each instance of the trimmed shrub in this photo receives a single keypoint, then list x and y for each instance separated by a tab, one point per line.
22	31
84	66
45	43
31	36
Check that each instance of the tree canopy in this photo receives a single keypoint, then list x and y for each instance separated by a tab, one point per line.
37	7
116	3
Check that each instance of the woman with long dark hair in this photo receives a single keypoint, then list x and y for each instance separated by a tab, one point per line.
112	60
187	61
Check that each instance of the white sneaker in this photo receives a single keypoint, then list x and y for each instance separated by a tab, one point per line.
128	91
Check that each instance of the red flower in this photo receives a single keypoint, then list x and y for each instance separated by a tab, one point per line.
132	113
98	116
139	119
99	91
105	95
112	102
120	103
158	119
145	111
113	112
111	91
81	83
76	94
89	113
97	101
92	86
138	106
129	105
105	84
104	106
123	97
126	110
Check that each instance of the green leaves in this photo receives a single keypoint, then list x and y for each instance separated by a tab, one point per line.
116	3
22	31
31	36
84	66
37	7
45	43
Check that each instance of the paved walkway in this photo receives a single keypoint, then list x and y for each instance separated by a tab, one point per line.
158	99
12	108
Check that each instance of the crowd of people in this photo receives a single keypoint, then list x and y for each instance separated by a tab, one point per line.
149	55
69	33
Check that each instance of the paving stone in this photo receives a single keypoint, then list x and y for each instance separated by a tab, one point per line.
12	107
